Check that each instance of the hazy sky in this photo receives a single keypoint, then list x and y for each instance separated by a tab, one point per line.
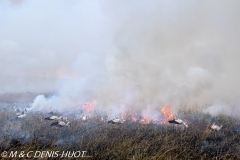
133	52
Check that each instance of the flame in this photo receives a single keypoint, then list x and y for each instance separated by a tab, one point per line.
134	119
129	115
124	116
102	119
145	121
89	106
167	112
135	116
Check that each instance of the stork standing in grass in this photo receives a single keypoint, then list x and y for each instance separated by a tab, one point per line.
116	121
216	127
179	122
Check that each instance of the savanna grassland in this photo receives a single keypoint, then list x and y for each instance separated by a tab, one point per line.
127	141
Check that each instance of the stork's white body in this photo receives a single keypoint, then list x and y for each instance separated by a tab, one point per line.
19	112
118	121
60	124
216	127
178	121
22	115
84	118
54	118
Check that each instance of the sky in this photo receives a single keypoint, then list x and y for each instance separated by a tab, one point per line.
125	54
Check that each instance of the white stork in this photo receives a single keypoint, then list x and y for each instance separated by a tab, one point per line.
116	121
60	124
178	121
19	112
22	114
216	127
84	118
53	118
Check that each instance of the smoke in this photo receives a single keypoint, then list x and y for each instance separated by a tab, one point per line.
126	55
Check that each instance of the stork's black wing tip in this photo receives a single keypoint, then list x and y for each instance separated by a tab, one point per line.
54	124
111	121
172	121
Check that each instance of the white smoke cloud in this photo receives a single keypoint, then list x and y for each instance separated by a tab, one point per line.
134	54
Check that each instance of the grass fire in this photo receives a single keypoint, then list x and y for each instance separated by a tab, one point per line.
130	136
127	80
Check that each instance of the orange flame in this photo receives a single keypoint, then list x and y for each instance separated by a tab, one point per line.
132	116
145	121
89	106
134	119
129	115
167	112
123	117
102	119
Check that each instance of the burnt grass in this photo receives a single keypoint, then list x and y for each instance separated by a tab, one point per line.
127	141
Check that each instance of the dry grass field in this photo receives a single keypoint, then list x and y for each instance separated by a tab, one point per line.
127	141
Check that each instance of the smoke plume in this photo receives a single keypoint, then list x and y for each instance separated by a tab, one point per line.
125	55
